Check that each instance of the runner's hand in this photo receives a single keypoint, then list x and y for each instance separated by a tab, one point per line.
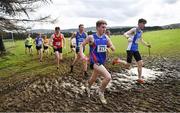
149	45
129	40
84	58
54	47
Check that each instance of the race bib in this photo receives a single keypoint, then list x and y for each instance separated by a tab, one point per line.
101	48
39	43
79	43
58	43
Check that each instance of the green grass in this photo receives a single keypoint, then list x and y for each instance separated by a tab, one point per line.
164	43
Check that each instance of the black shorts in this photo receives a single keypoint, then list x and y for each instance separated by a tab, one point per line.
136	55
78	49
58	49
28	46
73	46
38	47
45	47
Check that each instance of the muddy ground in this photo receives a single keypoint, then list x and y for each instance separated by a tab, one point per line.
64	91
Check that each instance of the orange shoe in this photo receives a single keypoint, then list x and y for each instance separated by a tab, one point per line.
115	61
141	81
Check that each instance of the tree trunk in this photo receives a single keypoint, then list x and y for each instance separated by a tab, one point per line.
2	47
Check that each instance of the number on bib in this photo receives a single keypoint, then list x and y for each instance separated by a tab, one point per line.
79	44
101	48
58	43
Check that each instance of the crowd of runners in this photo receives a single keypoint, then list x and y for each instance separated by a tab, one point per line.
100	45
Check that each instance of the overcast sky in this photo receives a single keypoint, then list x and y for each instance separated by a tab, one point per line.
71	13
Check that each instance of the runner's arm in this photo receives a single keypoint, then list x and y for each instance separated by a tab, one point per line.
144	43
51	41
73	36
89	40
129	33
110	44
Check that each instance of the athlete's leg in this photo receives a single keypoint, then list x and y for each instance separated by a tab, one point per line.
84	65
129	59
41	54
139	61
60	54
75	59
126	64
31	50
121	62
93	78
140	65
85	69
57	58
107	76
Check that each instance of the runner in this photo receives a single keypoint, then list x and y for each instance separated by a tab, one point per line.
73	44
46	45
134	35
80	37
99	42
28	44
58	41
39	44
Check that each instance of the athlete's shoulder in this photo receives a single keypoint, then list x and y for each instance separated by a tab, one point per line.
53	35
86	34
106	36
90	37
75	33
134	29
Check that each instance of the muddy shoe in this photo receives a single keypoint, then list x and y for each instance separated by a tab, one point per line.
101	96
86	76
140	81
71	68
115	61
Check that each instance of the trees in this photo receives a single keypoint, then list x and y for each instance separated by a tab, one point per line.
12	10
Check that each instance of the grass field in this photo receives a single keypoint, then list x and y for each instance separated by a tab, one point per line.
164	43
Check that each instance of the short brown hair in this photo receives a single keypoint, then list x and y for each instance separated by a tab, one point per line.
57	28
100	22
142	21
81	25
